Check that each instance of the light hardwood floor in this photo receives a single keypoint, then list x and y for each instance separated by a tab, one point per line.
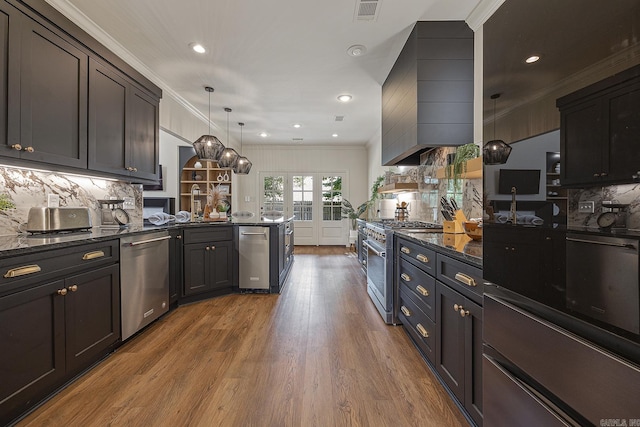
319	354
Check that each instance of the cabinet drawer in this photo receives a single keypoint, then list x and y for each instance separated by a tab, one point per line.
462	277
213	233
418	325
418	255
22	271
418	286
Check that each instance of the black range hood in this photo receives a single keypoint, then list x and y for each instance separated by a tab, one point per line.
427	98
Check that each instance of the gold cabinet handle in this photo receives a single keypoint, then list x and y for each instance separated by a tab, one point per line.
456	307
29	149
405	311
207	248
422	291
405	250
463	312
73	288
93	255
422	258
179	237
405	277
213	248
421	329
62	291
17	147
463	278
22	271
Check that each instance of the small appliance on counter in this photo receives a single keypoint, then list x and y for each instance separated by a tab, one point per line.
52	220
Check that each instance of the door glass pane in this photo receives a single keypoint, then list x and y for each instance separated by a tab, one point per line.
331	198
273	195
302	197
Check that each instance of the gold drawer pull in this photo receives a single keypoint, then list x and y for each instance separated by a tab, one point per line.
463	278
405	250
405	277
422	291
22	271
93	255
405	311
422	331
422	258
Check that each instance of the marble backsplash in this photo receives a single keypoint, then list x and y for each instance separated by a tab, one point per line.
30	188
618	194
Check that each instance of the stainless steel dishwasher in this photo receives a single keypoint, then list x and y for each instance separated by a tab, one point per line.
144	280
253	250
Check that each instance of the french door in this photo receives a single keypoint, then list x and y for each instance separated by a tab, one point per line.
313	199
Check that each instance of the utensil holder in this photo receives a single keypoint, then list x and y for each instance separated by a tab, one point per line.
455	226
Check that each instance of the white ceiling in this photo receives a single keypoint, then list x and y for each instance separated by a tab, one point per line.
275	63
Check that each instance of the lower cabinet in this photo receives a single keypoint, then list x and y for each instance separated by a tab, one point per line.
208	260
51	332
175	266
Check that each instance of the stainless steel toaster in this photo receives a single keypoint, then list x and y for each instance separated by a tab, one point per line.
45	220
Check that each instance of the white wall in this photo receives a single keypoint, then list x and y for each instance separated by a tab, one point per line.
351	160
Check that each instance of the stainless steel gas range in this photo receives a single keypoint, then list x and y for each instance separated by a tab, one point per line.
379	245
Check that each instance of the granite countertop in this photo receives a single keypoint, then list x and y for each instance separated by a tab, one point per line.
458	246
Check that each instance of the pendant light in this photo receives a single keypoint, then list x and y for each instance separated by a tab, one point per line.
208	147
243	165
229	155
496	151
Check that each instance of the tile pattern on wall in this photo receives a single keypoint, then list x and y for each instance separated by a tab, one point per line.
29	188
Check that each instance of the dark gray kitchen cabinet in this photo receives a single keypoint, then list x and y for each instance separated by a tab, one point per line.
599	130
143	153
208	260
175	266
59	313
9	79
459	348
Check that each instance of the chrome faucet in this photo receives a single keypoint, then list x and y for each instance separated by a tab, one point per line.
513	209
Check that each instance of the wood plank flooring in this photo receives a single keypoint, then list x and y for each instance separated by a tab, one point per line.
319	354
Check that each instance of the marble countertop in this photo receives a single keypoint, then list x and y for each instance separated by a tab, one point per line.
458	246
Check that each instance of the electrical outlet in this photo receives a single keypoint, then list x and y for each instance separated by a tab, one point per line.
129	203
53	200
586	207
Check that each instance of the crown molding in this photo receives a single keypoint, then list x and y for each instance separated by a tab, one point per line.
482	12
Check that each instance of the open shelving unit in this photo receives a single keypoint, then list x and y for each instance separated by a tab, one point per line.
209	174
556	194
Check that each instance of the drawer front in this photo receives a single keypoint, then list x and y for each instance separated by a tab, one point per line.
418	255
594	382
26	270
418	286
212	233
418	325
460	276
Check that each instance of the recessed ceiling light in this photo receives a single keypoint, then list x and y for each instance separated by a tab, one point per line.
335	135
344	98
532	59
263	134
297	125
356	50
197	47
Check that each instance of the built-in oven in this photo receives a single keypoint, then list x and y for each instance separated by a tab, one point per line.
380	293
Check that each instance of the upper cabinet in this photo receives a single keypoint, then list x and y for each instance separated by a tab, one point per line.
68	104
600	130
427	98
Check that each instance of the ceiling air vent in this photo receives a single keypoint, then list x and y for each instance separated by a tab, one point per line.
367	10
339	118
298	140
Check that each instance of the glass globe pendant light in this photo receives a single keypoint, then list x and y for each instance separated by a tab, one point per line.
496	151
208	147
229	155
243	165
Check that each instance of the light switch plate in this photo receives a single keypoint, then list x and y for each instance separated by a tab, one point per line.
53	200
129	203
586	207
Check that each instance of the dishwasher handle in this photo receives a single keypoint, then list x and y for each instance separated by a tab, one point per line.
244	233
595	242
143	242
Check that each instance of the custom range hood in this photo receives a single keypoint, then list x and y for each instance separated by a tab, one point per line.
427	98
399	187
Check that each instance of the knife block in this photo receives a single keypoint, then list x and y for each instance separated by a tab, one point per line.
455	226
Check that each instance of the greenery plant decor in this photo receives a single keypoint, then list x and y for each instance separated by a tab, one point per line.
459	165
348	211
6	203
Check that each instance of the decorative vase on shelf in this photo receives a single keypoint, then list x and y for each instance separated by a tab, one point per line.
198	165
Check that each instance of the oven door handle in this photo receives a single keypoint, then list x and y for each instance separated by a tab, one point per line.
374	250
595	242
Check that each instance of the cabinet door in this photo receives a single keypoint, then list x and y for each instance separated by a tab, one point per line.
450	357
196	258
473	360
220	266
143	151
581	143
92	315
53	93
9	79
175	266
32	360
624	134
107	119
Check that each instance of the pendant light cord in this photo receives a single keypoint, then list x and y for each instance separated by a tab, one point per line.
495	96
